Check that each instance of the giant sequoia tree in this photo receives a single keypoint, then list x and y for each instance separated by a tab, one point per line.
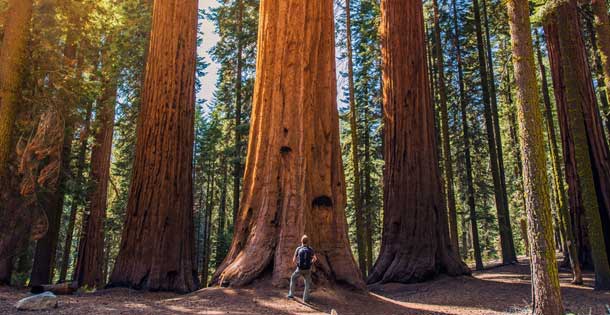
415	244
157	247
545	277
12	55
293	181
587	171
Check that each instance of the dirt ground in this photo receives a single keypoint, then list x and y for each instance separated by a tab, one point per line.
502	290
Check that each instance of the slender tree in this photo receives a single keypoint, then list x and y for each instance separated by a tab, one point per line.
545	277
506	242
293	183
466	138
446	141
360	229
89	271
160	197
408	252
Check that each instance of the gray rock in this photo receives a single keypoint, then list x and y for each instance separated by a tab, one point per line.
38	302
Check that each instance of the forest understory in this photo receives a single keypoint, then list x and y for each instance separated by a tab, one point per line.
494	291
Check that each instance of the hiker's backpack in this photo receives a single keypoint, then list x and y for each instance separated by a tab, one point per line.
304	257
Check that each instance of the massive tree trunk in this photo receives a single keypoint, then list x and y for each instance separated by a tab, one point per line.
545	277
506	242
415	244
293	183
12	53
447	162
160	204
353	121
89	271
558	182
466	138
589	148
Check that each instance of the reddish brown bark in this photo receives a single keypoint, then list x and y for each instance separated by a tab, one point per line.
558	177
157	247
293	183
589	150
12	52
415	243
90	260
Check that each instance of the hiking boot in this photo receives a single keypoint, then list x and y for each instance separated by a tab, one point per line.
289	297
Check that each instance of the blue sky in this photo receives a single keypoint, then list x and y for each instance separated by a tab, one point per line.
209	40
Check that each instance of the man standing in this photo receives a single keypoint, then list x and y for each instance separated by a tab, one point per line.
304	257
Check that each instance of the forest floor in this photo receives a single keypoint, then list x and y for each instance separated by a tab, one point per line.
498	290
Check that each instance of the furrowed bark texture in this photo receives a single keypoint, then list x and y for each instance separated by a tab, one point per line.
415	243
12	52
545	277
89	271
561	199
157	247
293	182
567	140
590	149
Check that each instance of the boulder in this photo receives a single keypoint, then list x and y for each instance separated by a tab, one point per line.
38	302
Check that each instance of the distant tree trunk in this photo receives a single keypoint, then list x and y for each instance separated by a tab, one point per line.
558	181
160	198
366	198
293	183
508	250
53	201
584	126
237	167
222	216
409	253
89	271
447	162
207	226
466	137
545	276
353	120
602	28
70	51
12	51
498	136
80	166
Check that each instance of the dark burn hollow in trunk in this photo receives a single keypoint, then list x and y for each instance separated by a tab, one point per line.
293	182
